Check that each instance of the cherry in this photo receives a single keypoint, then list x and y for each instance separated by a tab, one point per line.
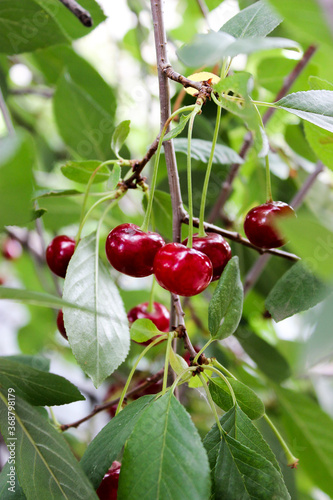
160	316
59	253
108	488
216	248
11	249
182	270
61	325
132	251
259	224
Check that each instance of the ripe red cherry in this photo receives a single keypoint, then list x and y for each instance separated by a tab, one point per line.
61	325
12	249
59	253
216	248
259	224
132	251
182	270
108	488
160	316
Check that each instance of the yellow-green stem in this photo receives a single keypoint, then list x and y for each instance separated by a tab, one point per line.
166	365
203	349
181	375
223	368
211	402
189	175
124	391
150	306
224	378
291	459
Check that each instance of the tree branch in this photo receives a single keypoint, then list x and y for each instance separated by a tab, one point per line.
82	14
288	82
256	270
134	392
232	235
43	92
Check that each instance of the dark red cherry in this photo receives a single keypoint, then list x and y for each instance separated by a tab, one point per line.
160	316
59	253
182	270
108	488
132	251
12	249
259	224
216	248
61	325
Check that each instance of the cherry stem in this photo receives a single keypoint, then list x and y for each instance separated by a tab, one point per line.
208	172
146	219
223	368
166	365
122	396
150	306
211	403
224	378
196	110
291	459
268	173
202	350
181	375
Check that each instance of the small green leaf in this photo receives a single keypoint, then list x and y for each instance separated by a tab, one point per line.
178	128
178	364
314	106
166	441
144	329
297	290
45	193
99	340
200	150
253	21
119	136
114	177
81	171
247	399
226	306
45	466
37	387
107	445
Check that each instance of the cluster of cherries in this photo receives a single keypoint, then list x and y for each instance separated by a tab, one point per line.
177	268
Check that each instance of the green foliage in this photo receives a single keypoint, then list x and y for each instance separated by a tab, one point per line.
119	136
253	21
80	171
143	329
200	150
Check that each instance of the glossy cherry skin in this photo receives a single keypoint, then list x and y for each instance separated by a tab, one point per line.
59	253
216	248
132	251
259	224
160	316
108	488
12	249
61	325
181	270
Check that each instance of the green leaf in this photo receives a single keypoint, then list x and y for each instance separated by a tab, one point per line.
311	431
16	183
321	141
266	356
80	171
55	194
178	364
314	106
200	150
61	211
226	306
209	49
119	136
143	329
254	21
45	466
100	342
247	399
38	362
38	299
236	423
317	83
37	387
107	445
114	177
297	290
173	462
240	472
84	125
320	343
178	128
27	26
11	490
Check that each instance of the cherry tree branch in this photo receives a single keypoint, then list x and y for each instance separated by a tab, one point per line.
255	272
82	14
287	84
43	92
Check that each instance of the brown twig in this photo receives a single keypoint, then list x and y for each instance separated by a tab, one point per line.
232	235
255	272
202	87
82	14
288	82
43	92
139	165
134	392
